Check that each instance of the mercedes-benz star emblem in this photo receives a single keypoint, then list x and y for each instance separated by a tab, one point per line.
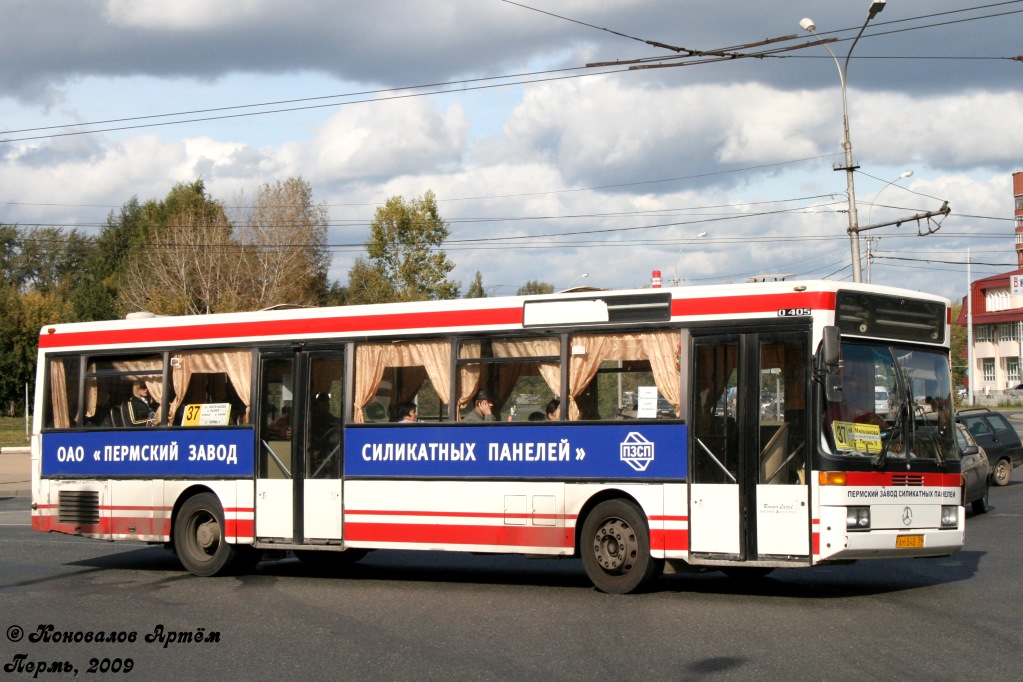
907	516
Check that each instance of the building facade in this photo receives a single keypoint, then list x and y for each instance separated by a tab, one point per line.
998	318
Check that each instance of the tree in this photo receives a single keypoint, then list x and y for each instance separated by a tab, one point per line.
285	240
195	260
476	288
367	284
106	260
534	287
404	242
186	266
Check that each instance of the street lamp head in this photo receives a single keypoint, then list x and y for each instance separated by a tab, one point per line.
808	25
875	8
906	174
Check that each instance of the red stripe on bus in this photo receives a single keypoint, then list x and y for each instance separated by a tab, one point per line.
285	328
239	528
747	304
504	536
672	540
887	479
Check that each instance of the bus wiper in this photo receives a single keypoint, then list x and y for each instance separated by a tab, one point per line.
897	427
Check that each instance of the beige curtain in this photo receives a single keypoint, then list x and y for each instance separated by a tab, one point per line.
58	395
415	359
237	365
660	349
370	359
527	348
469	376
435	358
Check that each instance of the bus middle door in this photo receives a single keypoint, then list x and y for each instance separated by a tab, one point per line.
298	483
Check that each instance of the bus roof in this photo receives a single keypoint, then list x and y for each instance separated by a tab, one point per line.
760	300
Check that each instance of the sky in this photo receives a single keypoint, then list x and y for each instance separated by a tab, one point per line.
544	167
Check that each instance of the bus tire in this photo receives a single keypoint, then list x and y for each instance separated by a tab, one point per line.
329	561
199	537
615	548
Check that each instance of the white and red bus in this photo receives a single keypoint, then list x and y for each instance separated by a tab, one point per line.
740	428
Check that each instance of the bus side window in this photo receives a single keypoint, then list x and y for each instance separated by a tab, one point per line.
613	376
388	374
522	375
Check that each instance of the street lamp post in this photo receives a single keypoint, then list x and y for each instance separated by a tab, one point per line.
582	276
699	236
854	239
870	210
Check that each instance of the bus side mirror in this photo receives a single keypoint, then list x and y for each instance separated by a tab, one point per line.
831	358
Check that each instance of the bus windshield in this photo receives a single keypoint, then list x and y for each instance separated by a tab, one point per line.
897	404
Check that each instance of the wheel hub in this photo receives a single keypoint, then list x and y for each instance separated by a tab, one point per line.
207	535
615	546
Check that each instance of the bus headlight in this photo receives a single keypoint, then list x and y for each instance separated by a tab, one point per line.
949	517
857	518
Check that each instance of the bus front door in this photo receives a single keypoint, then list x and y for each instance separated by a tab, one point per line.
749	499
298	481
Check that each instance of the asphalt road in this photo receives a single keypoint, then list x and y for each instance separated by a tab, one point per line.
410	615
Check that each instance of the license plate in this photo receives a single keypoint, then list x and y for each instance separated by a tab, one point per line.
909	541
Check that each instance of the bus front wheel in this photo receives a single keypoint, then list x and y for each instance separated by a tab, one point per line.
199	537
615	548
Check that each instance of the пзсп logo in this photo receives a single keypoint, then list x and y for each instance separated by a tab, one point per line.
637	451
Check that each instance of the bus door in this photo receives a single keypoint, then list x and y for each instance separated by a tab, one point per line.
749	499
298	480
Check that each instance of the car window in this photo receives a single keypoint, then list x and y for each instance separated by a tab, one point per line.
977	426
1000	425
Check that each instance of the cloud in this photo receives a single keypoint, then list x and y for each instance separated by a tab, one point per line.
367	142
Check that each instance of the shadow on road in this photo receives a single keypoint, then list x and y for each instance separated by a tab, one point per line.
820	582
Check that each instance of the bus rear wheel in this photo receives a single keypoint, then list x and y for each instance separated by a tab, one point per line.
199	537
615	548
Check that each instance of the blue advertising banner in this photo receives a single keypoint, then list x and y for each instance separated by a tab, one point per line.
640	450
152	453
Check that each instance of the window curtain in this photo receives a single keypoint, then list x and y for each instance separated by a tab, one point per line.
416	360
237	365
58	395
469	376
527	348
660	349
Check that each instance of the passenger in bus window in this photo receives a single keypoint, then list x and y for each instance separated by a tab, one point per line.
538	416
483	408
408	413
140	409
552	410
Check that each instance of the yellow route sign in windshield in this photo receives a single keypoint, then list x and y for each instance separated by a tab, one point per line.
862	437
